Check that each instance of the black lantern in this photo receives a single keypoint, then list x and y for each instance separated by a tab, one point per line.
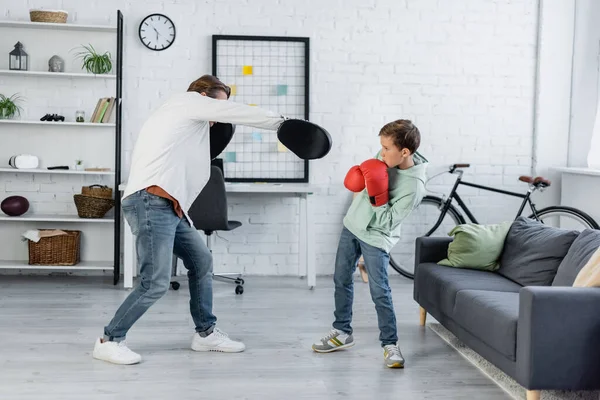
18	59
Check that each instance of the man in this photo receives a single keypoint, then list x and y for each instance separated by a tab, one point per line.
170	167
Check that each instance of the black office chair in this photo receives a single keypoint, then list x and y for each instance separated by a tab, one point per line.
209	214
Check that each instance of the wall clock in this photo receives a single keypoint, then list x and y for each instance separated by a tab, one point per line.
157	32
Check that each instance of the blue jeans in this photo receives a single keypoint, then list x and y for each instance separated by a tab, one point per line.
160	233
376	263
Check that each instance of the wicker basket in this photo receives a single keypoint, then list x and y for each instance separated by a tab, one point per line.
99	191
56	250
55	16
92	207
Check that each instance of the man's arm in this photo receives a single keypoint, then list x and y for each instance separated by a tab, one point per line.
204	108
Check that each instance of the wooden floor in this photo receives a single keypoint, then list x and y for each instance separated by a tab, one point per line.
48	326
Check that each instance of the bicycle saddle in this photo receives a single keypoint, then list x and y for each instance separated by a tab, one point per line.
537	181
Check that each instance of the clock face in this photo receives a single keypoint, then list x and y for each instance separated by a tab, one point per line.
157	32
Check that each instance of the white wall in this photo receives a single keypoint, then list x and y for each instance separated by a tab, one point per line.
586	53
464	71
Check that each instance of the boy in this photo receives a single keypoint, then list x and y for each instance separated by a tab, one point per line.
394	184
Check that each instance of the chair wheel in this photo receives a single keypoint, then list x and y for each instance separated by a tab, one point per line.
175	285
239	289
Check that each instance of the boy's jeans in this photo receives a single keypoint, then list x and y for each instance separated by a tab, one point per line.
376	263
160	233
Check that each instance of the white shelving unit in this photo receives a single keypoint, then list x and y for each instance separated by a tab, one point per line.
41	41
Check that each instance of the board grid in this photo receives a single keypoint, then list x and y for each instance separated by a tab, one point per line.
271	73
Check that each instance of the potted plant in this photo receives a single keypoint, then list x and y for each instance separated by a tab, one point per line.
9	107
93	62
79	165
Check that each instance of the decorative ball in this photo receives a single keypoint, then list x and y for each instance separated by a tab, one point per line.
14	206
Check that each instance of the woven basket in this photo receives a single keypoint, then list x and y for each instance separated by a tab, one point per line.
99	191
92	207
55	16
56	250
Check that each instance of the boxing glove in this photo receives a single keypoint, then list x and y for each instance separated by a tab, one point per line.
355	180
376	181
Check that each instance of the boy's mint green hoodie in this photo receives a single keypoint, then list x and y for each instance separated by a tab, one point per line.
380	226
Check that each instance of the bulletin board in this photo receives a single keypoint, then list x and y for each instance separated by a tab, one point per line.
270	72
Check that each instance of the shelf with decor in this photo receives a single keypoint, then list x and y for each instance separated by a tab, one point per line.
58	124
45	51
81	266
44	74
55	218
58	26
54	171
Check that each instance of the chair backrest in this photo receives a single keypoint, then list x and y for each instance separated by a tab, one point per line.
209	211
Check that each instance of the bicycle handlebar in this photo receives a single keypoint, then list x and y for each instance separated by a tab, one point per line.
461	166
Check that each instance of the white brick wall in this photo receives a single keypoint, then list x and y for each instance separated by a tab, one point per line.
463	71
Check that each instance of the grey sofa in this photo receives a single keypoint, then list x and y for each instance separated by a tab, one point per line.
525	317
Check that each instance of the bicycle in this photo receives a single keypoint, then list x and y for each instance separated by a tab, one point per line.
438	208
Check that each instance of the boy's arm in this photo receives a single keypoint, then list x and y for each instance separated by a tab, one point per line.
391	216
204	108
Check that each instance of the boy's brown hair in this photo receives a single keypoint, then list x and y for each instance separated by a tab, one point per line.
210	85
404	133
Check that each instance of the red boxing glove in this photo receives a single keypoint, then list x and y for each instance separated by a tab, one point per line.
376	180
355	181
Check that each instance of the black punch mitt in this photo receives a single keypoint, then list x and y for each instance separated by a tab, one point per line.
220	136
305	139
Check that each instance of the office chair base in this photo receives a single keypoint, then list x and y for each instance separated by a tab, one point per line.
239	288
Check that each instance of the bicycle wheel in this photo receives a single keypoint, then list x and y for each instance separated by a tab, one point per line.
419	223
566	218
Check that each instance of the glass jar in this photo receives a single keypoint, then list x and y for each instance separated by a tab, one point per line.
80	116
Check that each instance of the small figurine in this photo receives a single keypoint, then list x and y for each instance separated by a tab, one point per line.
56	64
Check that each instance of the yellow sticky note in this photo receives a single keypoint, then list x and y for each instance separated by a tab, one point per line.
247	70
281	147
252	105
233	89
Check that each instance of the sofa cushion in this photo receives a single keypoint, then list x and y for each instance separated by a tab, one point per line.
578	255
476	246
438	285
491	317
533	251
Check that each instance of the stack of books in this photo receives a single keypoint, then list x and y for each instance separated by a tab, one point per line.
103	111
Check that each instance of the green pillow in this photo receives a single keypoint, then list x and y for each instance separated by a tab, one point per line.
476	246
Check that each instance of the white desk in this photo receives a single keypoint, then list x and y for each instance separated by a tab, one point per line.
580	188
306	237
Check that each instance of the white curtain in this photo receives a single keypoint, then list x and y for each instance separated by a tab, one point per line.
593	158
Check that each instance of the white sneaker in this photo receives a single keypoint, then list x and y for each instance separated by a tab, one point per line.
217	341
115	352
393	356
333	341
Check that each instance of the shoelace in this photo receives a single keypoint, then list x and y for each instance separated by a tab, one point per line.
392	350
330	336
220	333
123	349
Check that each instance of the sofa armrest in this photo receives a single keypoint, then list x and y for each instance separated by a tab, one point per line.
431	249
558	338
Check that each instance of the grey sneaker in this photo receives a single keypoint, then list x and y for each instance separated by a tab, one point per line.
392	356
334	340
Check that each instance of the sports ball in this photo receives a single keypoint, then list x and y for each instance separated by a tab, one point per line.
14	206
